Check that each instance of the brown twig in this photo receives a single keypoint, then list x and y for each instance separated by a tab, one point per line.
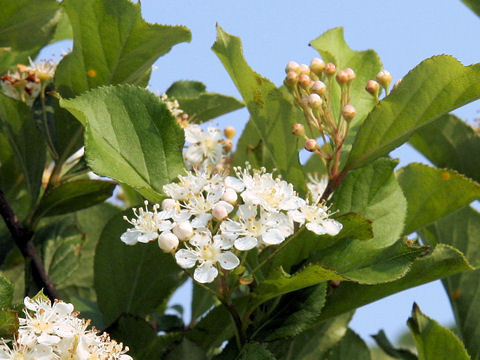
23	238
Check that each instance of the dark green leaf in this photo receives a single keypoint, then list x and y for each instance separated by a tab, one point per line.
202	300
186	89
272	112
130	136
123	274
474	5
43	114
6	292
255	351
435	87
186	350
383	342
450	143
433	193
73	196
8	323
434	342
27	143
89	310
350	347
112	44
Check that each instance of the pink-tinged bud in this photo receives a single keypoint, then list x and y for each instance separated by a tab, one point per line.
183	230
229	132
292	66
316	66
348	112
305	81
219	212
291	80
311	145
384	78
304	69
351	74
330	69
169	204
372	87
168	242
315	101
342	77
319	87
298	130
303	101
230	196
227	145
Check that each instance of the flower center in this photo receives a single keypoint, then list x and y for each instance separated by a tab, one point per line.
209	253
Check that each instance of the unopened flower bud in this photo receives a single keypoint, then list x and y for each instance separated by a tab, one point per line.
316	66
230	196
219	212
304	69
227	145
183	230
351	74
315	101
305	81
298	129
292	66
342	77
169	204
348	112
311	145
168	242
291	80
330	69
318	87
384	78
372	87
229	132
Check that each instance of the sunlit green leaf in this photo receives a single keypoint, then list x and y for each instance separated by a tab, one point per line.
350	347
8	323
6	292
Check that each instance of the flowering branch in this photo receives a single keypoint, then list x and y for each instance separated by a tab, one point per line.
23	238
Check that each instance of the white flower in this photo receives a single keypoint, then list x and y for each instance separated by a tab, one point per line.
207	252
316	217
206	148
316	186
145	226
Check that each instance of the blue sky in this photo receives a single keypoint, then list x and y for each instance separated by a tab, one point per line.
273	32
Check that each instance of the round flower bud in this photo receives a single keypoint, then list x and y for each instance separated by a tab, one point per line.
229	132
169	204
168	242
304	101
230	196
319	87
315	101
298	129
219	212
311	145
330	69
342	77
305	81
348	112
351	74
384	78
291	80
372	87
227	145
292	66
317	65
304	69
183	230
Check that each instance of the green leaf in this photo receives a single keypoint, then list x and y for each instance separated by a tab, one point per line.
434	342
443	261
462	230
73	196
112	44
63	31
450	143
208	106
27	143
350	347
383	342
255	351
130	136
6	292
272	111
435	87
433	193
186	350
8	323
43	114
313	343
125	285
202	300
295	313
474	5
186	89
25	27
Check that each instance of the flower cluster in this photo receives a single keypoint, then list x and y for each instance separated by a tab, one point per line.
25	83
54	331
210	217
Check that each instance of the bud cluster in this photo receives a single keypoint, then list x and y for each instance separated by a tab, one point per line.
311	87
382	82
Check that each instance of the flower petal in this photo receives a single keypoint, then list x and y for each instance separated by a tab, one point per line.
145	238
246	243
228	260
205	273
130	237
186	258
273	237
332	227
